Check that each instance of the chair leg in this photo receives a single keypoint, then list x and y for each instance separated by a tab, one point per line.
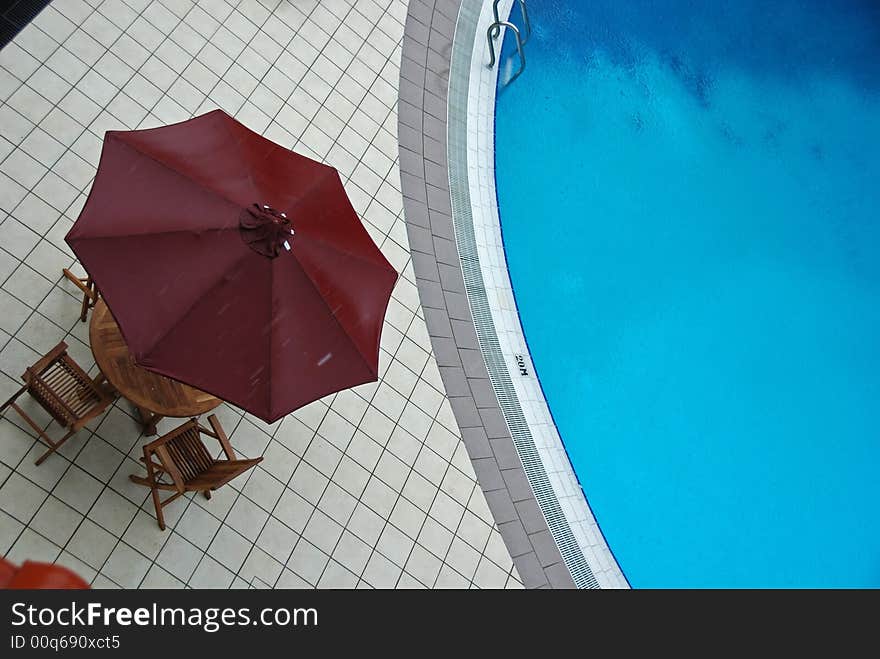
85	308
207	493
89	298
88	288
103	383
41	434
12	399
160	517
53	446
149	420
150	481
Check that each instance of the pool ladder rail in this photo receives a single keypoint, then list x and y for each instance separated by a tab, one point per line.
495	30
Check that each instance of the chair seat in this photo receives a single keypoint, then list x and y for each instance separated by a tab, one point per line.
220	473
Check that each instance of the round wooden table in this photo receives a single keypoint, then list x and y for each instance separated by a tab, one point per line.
154	395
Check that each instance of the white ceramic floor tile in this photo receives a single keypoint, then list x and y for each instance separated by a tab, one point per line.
179	557
126	566
159	578
30	546
381	573
56	521
289	579
21	498
247	518
198	526
307	561
77	488
260	566
229	548
395	544
333	471
113	512
210	574
91	544
79	568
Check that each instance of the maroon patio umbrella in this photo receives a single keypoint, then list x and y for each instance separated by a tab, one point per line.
233	264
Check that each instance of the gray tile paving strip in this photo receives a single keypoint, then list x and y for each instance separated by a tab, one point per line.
427	58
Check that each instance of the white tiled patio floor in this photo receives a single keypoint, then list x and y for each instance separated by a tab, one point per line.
371	487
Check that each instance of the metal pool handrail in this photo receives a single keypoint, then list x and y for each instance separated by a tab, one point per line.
525	16
519	46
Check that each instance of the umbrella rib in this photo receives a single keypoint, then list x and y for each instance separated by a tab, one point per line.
365	358
166	232
271	343
331	172
334	248
175	171
189	309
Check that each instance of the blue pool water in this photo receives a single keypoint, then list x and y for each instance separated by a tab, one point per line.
689	197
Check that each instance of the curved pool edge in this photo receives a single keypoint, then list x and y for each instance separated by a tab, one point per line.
552	545
517	385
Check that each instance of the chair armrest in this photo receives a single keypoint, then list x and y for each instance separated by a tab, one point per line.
78	282
220	434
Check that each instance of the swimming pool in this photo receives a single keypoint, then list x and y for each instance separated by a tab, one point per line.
688	197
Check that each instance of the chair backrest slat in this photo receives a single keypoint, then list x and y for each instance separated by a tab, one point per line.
178	457
82	404
185	450
50	401
197	451
54	375
64	388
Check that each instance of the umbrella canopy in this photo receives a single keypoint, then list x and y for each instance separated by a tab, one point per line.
233	264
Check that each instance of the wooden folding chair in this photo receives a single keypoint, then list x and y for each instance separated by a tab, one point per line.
185	459
88	288
65	391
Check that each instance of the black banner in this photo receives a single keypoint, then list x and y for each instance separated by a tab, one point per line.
106	622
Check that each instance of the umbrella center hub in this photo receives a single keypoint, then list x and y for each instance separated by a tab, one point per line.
265	230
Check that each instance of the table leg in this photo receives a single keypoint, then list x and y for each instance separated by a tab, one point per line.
101	381
149	419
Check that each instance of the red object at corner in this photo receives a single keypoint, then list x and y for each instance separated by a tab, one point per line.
42	576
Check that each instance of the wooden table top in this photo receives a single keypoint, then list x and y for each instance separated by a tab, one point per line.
151	391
